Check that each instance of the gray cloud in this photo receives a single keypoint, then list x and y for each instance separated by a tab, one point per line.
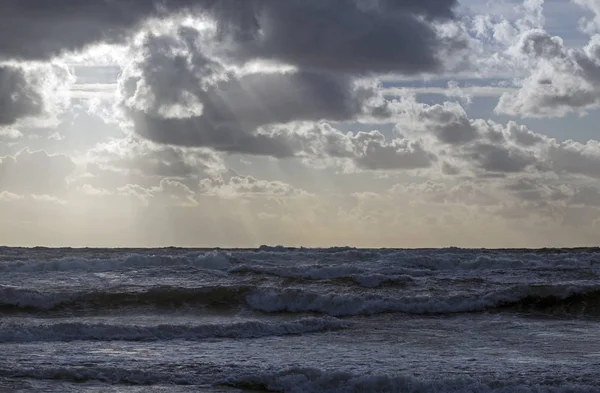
35	30
147	159
571	157
35	172
492	149
231	185
176	95
32	91
129	161
181	90
586	196
500	158
386	35
483	148
352	36
18	96
322	143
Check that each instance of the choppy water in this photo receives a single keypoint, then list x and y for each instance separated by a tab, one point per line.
299	320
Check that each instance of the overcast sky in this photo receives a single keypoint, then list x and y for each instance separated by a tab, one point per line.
235	123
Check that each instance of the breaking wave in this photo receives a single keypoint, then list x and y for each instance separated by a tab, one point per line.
77	331
169	297
569	299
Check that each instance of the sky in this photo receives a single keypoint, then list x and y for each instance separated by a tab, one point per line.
236	123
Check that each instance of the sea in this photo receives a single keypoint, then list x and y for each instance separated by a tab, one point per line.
299	320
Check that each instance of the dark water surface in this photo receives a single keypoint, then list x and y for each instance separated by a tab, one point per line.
299	320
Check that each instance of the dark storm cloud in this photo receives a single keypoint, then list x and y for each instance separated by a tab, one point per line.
348	36
352	35
176	95
39	29
18	96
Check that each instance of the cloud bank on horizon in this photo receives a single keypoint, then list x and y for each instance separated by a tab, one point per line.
304	122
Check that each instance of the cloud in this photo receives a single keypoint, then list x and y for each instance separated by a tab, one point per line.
476	146
191	85
176	95
232	185
484	148
35	172
167	193
320	144
36	30
352	36
586	196
570	157
388	35
10	135
6	196
18	97
145	158
31	91
562	80
590	25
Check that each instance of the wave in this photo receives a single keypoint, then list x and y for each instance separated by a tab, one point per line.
302	380
77	331
213	260
550	299
15	298
581	299
307	380
322	263
341	273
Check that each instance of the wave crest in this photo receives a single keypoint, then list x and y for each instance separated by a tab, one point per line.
77	331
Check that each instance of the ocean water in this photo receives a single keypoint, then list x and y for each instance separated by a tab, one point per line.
299	320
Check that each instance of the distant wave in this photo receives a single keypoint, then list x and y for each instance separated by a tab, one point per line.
323	264
109	332
569	299
213	260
